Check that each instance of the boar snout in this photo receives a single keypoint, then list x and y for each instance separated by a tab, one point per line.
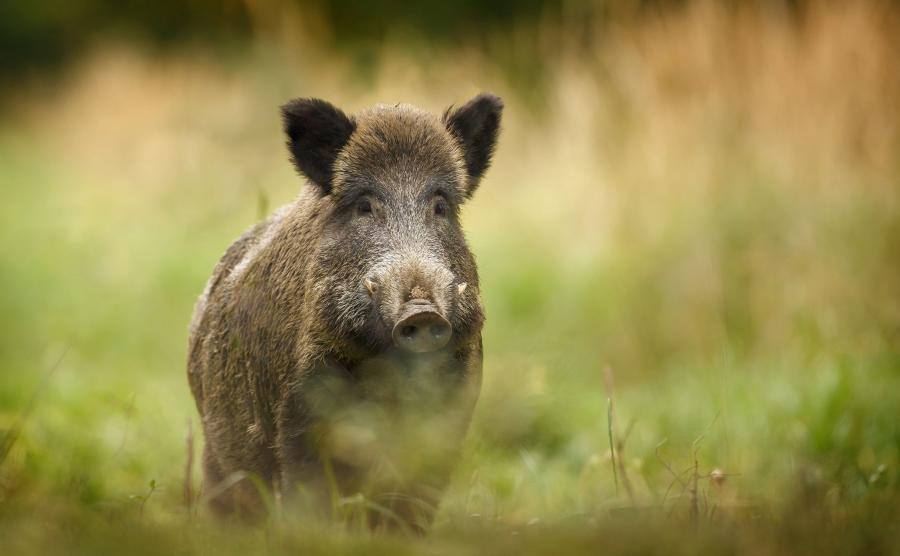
421	328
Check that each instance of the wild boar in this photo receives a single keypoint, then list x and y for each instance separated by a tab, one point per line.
336	349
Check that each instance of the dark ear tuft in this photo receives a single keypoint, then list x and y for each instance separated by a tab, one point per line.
316	133
475	125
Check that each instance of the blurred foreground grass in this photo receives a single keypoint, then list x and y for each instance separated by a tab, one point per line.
705	203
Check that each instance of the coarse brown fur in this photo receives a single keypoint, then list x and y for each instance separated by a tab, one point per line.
291	359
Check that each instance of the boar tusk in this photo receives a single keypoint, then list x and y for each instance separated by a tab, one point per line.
461	287
371	286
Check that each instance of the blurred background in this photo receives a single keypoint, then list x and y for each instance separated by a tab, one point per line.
693	212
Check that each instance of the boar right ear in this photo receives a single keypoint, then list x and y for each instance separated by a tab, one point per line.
316	132
476	125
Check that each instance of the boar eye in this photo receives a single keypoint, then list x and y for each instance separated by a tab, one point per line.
364	206
440	207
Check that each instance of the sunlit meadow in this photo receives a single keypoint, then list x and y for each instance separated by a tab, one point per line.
689	245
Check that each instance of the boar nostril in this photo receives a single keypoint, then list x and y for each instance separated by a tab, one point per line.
421	330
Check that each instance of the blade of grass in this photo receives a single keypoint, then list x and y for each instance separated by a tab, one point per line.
612	449
9	439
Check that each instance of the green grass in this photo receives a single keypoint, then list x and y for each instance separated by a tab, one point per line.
749	314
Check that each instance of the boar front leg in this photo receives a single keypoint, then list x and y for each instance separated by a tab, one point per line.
308	478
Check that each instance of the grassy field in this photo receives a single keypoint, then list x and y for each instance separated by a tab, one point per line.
695	215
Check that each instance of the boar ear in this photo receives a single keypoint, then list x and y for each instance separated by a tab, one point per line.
316	132
475	125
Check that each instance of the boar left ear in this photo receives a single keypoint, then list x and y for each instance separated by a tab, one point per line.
476	125
316	131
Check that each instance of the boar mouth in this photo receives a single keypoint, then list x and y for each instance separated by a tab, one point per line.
421	328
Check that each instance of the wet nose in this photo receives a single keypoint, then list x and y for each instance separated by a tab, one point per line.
421	328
